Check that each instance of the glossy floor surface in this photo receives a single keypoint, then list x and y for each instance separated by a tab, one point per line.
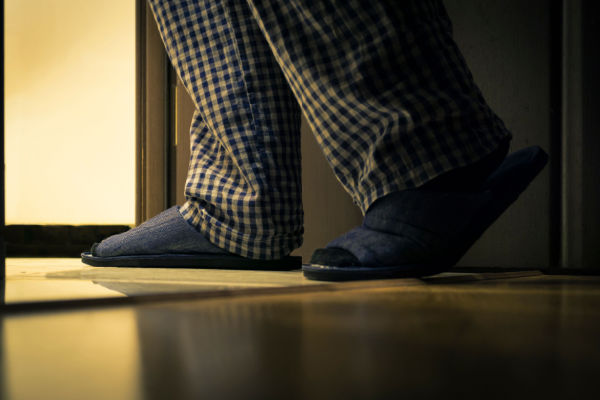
60	279
519	335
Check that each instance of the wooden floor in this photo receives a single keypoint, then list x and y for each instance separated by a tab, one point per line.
55	279
515	335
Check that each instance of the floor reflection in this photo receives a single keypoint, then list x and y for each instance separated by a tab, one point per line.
220	351
87	355
28	291
56	279
38	280
523	337
460	341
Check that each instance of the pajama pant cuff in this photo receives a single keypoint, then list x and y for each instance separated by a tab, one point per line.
477	150
267	246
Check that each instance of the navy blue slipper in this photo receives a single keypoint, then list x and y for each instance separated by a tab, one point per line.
429	231
168	240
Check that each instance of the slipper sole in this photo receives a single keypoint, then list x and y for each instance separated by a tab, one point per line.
327	273
199	261
509	180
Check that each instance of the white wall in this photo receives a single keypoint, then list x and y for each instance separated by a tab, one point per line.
70	111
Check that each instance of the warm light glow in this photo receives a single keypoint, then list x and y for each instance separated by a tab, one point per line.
70	111
59	356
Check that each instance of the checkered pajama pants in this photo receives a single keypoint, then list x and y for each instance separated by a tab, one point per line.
382	84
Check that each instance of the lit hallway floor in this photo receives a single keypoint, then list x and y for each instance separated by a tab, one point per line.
511	335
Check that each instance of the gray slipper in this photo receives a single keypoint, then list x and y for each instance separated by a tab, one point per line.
418	232
167	240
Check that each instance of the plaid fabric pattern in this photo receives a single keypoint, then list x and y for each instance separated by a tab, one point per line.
243	188
383	85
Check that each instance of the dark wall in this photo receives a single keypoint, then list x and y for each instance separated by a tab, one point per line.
507	44
591	133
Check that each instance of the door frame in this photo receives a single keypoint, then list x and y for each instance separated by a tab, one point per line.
153	117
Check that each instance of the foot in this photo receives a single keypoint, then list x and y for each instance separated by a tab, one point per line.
166	233
167	240
425	231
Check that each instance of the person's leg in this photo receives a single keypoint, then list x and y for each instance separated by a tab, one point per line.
396	111
243	188
384	88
